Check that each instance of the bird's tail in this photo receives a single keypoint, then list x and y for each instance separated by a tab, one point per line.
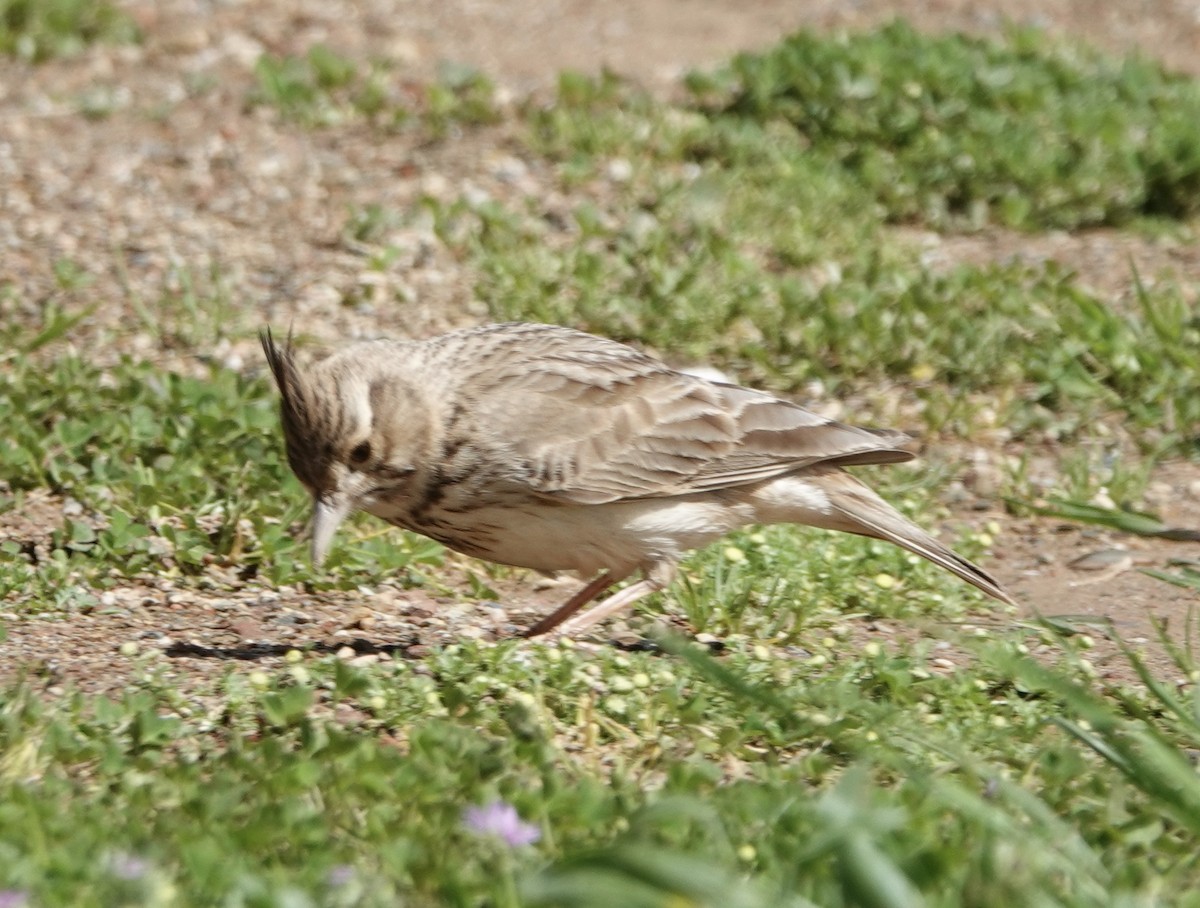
852	507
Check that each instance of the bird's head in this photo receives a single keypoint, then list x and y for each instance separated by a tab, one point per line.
358	431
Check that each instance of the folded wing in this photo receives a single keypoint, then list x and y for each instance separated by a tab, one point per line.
615	424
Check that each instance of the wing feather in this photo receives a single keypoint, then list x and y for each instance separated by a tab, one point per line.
616	424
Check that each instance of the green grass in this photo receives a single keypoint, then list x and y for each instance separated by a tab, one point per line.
816	760
323	89
754	780
172	473
946	128
36	30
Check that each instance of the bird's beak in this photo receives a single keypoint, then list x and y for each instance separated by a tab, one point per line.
328	512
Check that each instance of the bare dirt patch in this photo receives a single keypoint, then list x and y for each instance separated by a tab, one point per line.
1094	579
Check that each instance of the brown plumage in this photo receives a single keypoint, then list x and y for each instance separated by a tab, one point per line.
551	449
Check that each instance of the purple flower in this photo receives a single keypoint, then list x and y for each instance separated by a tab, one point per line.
13	898
128	867
501	820
340	875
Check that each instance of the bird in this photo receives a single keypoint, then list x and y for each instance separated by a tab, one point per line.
549	448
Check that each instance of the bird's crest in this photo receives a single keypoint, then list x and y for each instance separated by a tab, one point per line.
287	376
295	404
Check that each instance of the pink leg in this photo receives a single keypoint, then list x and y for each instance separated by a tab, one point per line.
575	603
609	606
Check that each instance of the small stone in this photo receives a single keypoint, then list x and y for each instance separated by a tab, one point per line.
435	185
246	628
619	170
1101	559
510	169
362	618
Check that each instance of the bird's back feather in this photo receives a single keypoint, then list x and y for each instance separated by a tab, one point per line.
613	424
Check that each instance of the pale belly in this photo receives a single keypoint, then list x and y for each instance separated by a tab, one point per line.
620	537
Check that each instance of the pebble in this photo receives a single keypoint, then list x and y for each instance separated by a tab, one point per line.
1100	560
362	618
246	628
627	639
436	186
510	168
619	170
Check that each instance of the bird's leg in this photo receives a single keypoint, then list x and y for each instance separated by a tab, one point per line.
657	578
594	588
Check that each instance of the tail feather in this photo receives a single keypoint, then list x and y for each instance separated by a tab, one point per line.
857	509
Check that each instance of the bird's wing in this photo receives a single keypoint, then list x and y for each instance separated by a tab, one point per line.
593	421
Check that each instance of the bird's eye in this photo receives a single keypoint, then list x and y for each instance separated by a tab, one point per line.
361	453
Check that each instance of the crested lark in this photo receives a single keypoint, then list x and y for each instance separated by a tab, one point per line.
552	449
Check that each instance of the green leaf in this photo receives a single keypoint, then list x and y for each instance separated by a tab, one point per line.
1127	521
